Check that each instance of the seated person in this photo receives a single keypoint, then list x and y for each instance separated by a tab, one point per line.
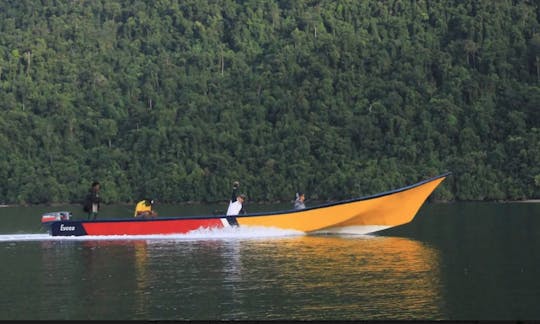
299	202
143	209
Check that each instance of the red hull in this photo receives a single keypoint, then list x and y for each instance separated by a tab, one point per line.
134	227
150	227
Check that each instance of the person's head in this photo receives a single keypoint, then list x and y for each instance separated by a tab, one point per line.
300	196
149	202
241	198
95	185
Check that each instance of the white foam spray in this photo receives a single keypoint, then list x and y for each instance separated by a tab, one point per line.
243	232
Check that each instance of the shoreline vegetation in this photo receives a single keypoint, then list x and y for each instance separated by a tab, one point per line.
178	99
260	203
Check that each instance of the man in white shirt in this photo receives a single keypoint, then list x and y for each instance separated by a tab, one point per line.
235	207
235	204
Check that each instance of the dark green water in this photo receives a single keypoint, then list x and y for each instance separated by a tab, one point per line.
453	262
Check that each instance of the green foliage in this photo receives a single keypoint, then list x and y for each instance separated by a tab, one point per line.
176	100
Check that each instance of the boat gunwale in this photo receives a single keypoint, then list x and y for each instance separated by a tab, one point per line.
268	213
351	200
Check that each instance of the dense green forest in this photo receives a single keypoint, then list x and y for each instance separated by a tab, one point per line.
177	99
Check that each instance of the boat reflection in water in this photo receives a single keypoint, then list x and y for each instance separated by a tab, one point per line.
352	278
298	277
135	263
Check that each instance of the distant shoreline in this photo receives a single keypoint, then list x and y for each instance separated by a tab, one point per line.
529	201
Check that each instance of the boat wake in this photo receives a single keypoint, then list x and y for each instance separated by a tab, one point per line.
244	232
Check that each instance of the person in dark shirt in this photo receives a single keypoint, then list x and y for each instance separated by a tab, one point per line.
93	200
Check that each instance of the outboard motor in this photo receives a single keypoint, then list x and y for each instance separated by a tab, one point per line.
47	218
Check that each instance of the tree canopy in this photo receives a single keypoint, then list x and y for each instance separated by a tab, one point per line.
177	99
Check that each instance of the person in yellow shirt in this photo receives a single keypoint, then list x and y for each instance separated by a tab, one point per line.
143	209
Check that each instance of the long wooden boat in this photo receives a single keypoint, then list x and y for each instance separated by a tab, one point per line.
362	215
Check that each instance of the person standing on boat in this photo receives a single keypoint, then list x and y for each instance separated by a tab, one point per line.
299	202
93	200
143	209
236	204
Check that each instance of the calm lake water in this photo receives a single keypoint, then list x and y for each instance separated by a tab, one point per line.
460	261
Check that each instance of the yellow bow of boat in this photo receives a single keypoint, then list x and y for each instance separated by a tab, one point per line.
354	216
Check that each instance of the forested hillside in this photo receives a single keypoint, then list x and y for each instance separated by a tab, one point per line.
177	99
